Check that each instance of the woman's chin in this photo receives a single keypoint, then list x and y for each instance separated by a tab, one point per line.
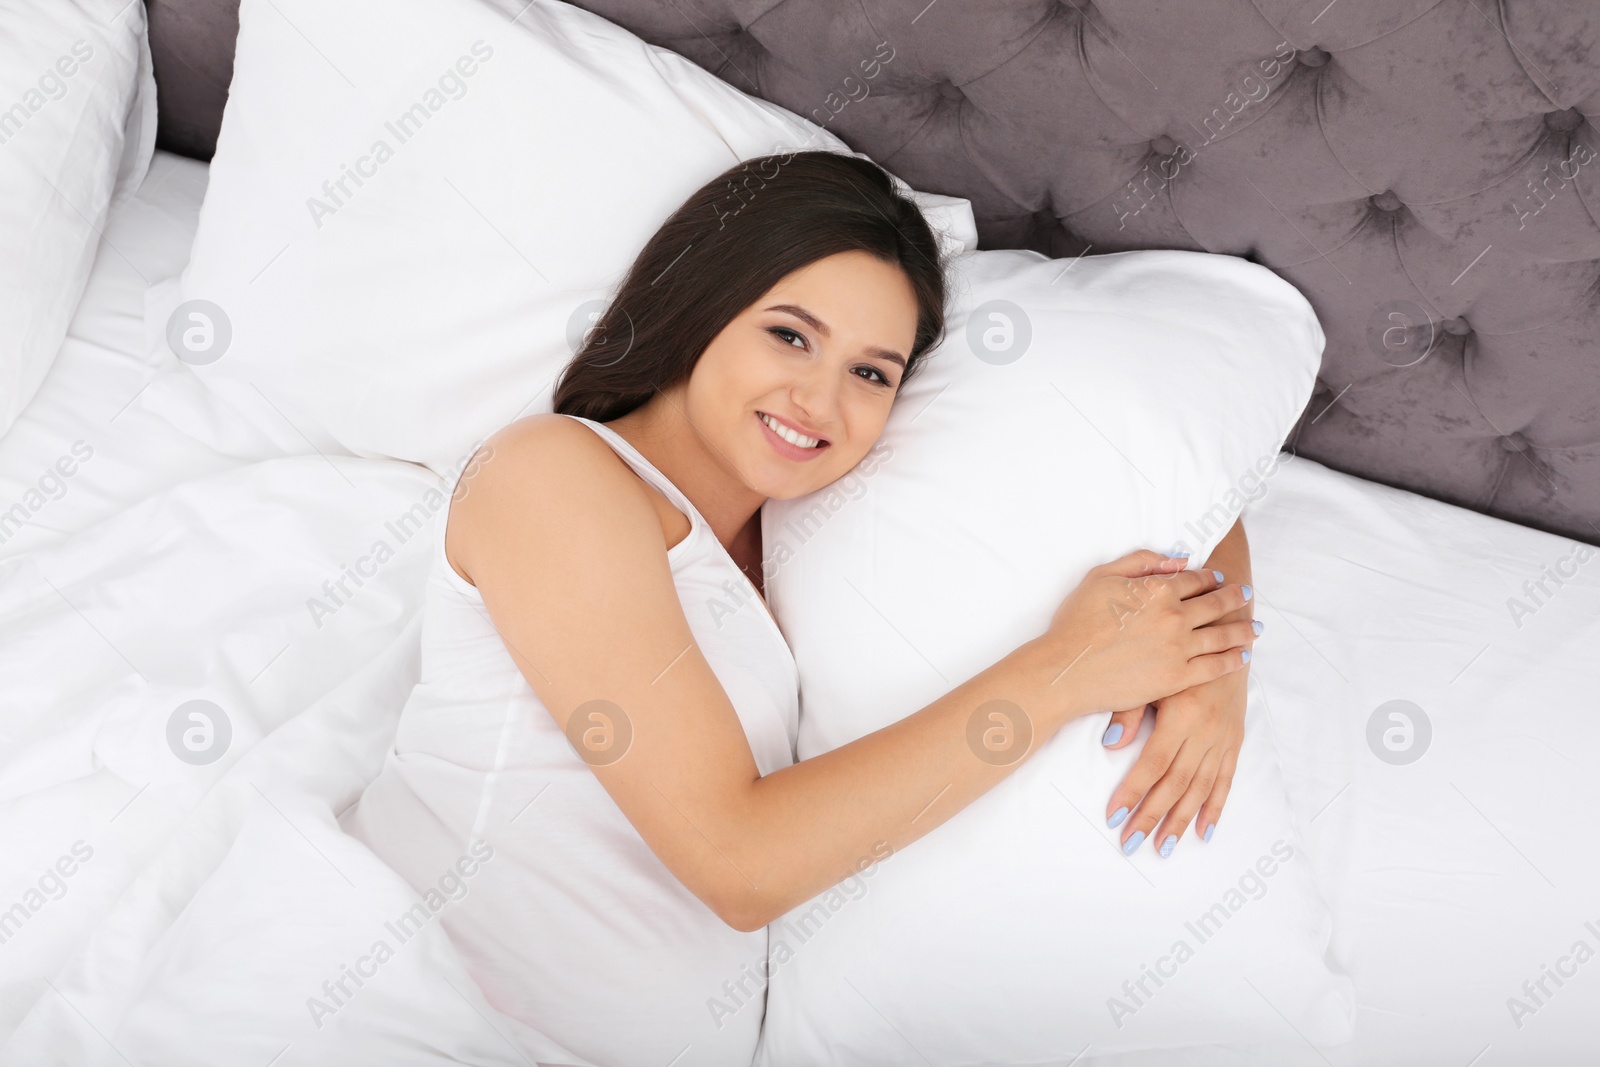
774	488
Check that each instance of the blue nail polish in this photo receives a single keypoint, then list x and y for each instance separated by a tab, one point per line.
1257	625
1245	655
1117	817
1177	555
1113	734
1248	592
1210	828
1133	842
1219	577
1168	845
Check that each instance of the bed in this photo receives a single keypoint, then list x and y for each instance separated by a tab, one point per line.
1455	864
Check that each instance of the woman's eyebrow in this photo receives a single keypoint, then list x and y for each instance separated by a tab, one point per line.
821	327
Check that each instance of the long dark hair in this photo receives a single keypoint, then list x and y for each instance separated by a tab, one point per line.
734	239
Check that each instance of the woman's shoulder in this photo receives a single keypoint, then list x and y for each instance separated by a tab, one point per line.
550	449
532	470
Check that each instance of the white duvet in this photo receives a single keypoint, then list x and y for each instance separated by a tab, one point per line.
214	914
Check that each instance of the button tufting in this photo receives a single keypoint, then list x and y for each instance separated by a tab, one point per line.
1312	57
1385	201
1514	442
1163	145
950	91
1564	121
1457	327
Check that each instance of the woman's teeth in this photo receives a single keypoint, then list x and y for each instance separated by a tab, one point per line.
787	434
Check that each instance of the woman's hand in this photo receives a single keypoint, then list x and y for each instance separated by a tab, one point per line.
1138	629
1186	767
1187	764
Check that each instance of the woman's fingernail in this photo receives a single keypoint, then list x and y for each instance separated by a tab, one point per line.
1210	828
1219	578
1133	842
1113	734
1244	654
1117	817
1177	555
1168	845
1248	592
1257	625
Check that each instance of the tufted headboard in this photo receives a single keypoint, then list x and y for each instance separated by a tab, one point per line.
1425	171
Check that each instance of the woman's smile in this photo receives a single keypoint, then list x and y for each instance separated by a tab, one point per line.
790	442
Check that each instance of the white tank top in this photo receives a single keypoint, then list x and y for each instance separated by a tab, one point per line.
573	927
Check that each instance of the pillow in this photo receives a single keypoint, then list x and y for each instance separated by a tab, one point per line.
1076	412
402	268
77	130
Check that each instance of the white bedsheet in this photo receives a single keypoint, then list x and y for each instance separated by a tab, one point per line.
161	910
219	898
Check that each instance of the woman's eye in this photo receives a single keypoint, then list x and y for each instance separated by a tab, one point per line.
785	334
880	375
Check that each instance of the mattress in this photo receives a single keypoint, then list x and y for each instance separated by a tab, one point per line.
1429	674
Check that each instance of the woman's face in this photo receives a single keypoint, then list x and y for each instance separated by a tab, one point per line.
820	353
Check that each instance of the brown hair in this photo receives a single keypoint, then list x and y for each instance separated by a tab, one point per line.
732	240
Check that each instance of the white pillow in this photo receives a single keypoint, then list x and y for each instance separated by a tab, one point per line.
77	130
1076	412
410	306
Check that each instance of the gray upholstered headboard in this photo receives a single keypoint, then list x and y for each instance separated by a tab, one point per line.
1425	171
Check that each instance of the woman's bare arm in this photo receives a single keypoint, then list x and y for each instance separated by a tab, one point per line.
567	550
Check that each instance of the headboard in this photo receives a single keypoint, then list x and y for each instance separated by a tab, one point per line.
1423	170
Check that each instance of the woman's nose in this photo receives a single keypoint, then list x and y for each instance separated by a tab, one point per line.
816	396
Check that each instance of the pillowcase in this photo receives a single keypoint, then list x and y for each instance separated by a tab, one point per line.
402	268
77	130
1076	412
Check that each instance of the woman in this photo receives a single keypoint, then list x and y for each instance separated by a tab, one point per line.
626	759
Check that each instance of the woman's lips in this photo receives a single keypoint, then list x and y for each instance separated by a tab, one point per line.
785	448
